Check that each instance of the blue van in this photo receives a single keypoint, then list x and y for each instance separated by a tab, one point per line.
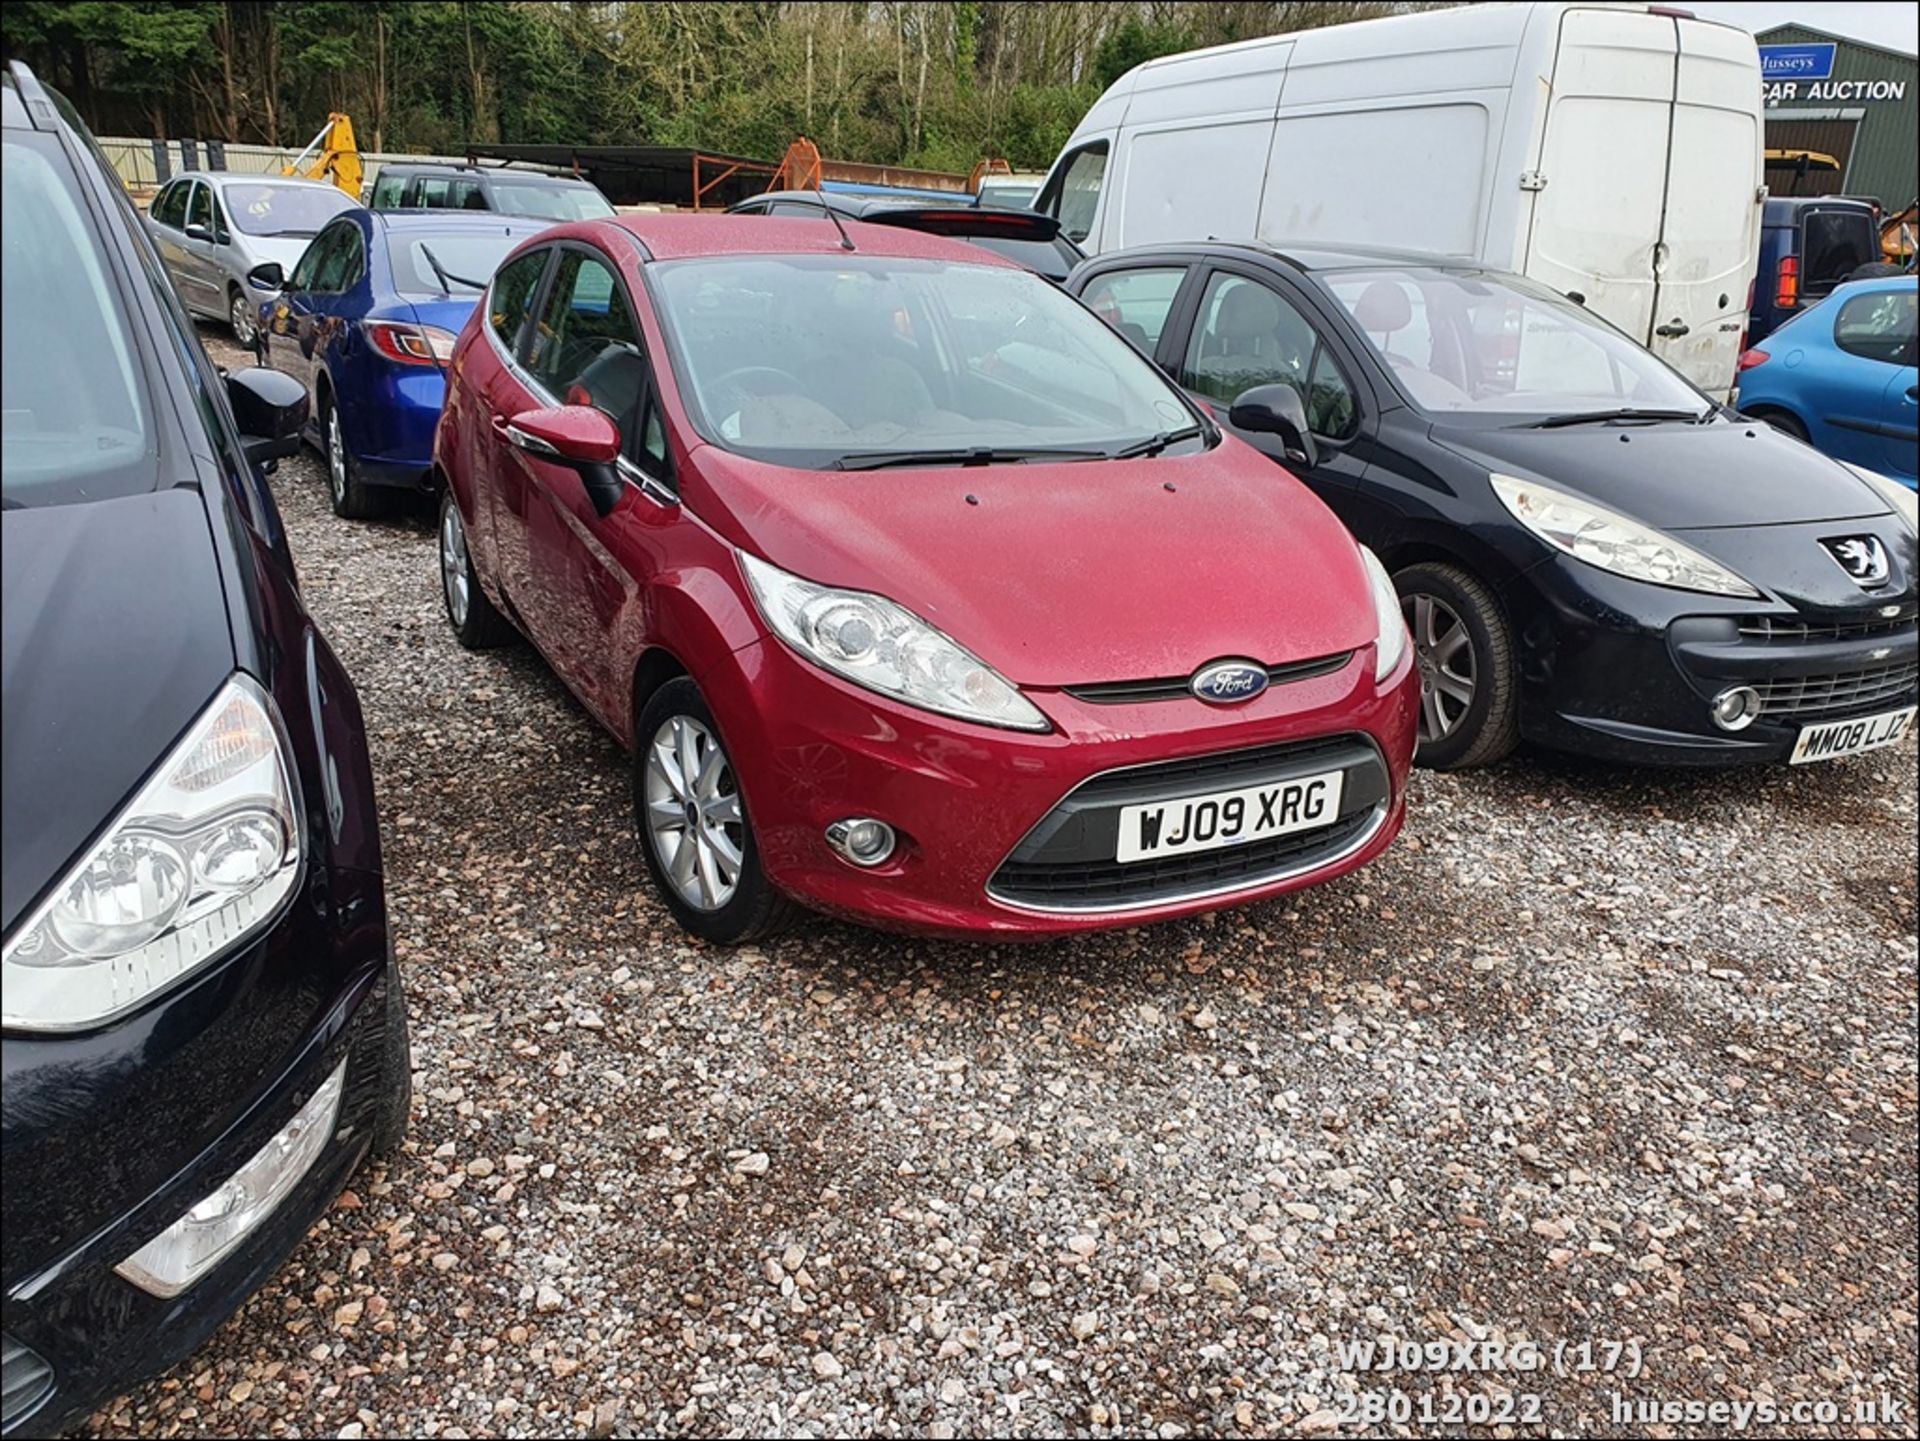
1808	245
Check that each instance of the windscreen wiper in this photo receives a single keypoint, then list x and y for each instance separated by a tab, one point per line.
1154	444
444	275
1597	417
973	455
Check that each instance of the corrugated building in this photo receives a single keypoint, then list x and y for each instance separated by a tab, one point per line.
1845	102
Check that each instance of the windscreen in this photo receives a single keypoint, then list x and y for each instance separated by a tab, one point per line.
549	202
809	360
1479	343
1832	244
75	424
467	259
283	209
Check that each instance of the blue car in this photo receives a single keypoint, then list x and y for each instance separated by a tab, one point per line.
1841	376
366	322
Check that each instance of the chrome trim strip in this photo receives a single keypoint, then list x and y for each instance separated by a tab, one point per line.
1358	844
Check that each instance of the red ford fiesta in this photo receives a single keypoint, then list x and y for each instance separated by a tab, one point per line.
918	595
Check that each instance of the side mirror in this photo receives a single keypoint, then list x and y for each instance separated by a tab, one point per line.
271	408
197	231
267	277
1276	410
580	438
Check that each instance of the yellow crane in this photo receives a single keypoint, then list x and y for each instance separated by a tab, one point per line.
331	155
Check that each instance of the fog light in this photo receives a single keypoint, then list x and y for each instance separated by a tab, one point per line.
207	1234
1736	708
862	841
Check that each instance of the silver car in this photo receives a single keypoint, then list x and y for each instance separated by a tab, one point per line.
214	227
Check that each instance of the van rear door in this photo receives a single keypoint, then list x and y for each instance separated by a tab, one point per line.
1649	176
1704	264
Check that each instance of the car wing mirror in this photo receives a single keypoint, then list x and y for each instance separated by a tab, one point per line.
579	437
268	277
270	407
197	231
1276	410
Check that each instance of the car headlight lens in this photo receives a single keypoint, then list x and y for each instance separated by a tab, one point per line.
1390	644
199	860
1903	502
1611	541
886	648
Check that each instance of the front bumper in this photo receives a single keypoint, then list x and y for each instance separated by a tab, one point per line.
811	749
76	1332
1624	672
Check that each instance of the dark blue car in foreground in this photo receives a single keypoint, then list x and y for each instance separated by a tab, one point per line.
204	1031
1842	377
366	321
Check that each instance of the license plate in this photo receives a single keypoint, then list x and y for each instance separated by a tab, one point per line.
1850	737
1228	818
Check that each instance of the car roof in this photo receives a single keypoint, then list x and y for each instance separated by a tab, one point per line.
483	172
445	221
222	178
681	237
1308	256
13	111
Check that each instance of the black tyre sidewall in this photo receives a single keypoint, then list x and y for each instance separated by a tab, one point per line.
1493	668
757	907
484	627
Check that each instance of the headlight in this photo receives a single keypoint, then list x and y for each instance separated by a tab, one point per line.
1903	502
1609	540
1390	642
200	859
879	645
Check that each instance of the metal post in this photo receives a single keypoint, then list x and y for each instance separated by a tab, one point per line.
216	155
162	170
189	157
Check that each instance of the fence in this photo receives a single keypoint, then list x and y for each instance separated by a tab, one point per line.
141	169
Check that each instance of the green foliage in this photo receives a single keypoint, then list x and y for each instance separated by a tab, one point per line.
937	85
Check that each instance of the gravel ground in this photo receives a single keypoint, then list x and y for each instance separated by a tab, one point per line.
1589	1056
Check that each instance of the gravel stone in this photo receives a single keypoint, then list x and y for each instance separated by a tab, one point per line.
1591	1053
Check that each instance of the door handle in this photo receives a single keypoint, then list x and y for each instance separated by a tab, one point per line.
1673	329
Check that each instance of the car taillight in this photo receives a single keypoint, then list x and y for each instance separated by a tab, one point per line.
1786	288
1751	358
411	344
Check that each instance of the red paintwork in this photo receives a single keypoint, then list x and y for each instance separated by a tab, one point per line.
1060	575
578	432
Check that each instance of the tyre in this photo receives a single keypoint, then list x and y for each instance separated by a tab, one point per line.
476	624
242	321
390	1126
694	828
353	498
1785	424
1463	647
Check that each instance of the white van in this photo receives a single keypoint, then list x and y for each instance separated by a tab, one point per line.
1612	152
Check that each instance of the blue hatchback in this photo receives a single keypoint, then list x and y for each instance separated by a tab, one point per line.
366	321
1841	376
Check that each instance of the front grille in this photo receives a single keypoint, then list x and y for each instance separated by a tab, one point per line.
1088	885
1066	862
1777	628
25	1380
1846	690
1179	687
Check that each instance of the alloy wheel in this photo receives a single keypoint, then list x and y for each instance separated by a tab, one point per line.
1443	651
453	563
240	313
694	819
336	457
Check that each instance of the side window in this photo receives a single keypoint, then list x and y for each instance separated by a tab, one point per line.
340	264
313	257
430	192
1879	326
795	207
586	349
467	195
511	296
1247	334
354	267
200	207
1073	195
170	205
221	234
1136	302
388	190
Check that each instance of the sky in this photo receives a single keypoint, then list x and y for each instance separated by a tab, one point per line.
1893	25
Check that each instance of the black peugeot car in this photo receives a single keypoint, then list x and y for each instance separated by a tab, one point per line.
1029	239
1591	554
203	1030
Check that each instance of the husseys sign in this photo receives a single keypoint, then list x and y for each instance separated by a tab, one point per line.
1803	73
